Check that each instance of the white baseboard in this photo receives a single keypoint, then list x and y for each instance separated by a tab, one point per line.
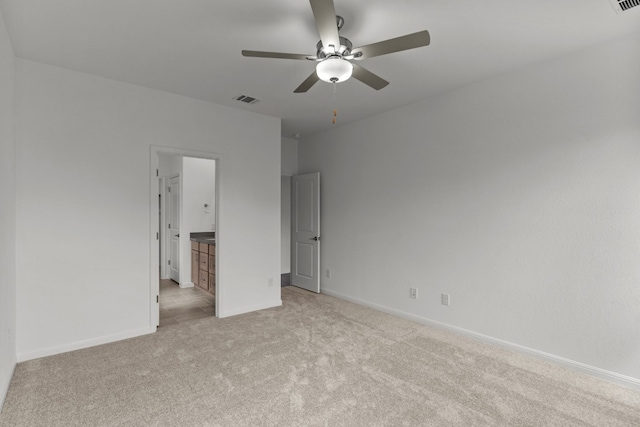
4	386
248	309
604	374
186	285
23	357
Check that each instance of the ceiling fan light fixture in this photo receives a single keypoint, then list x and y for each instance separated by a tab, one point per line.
334	70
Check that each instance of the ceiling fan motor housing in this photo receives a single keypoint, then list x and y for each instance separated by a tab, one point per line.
343	50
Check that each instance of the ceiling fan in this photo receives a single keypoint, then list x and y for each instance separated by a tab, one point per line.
335	53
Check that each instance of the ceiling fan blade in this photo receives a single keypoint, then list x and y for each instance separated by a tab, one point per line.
325	15
279	55
410	41
306	85
368	78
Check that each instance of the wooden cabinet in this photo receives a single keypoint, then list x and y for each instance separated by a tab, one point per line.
203	266
212	268
204	261
195	265
203	280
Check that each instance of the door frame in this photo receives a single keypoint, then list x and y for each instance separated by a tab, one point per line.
155	229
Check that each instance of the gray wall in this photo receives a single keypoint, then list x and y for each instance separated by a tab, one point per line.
285	224
7	213
519	196
289	167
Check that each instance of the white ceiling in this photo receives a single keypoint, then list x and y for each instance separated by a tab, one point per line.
192	47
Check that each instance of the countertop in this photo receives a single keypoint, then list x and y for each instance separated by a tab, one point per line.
205	237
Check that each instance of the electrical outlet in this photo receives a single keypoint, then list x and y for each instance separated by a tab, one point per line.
328	273
413	293
445	300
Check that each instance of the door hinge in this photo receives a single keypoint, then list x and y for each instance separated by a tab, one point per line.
169	189
157	173
157	236
169	226
157	299
169	262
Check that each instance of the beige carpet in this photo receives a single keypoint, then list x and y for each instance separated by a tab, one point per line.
315	361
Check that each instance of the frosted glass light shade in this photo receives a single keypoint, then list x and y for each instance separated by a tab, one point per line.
334	69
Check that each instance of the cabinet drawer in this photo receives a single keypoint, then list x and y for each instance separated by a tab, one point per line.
212	264
204	280
204	262
194	246
212	281
204	248
195	266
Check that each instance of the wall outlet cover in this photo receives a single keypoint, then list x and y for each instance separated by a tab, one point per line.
445	299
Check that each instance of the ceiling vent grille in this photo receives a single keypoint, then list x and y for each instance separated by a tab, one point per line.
246	99
623	5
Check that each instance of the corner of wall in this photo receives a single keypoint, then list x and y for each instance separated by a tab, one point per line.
289	156
8	284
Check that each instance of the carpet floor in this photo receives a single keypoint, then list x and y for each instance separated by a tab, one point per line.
315	361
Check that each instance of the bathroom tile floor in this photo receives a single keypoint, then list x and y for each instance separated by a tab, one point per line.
178	305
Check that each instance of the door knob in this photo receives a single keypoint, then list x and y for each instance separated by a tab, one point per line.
316	238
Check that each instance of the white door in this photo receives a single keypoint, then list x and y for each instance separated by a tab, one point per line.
161	233
174	228
305	231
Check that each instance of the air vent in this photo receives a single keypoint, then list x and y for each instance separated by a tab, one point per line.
246	99
622	5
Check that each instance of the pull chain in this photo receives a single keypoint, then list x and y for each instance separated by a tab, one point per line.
335	109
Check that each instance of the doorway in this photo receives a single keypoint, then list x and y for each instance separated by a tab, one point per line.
188	207
172	216
179	305
305	231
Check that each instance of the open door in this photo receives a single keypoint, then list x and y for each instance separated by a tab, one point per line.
174	228
305	231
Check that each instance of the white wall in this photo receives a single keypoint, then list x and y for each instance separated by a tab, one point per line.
83	221
7	213
289	155
198	188
518	196
169	165
285	224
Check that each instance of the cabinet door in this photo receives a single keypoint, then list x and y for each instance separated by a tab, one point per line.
212	263
204	261
204	280
212	282
195	266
